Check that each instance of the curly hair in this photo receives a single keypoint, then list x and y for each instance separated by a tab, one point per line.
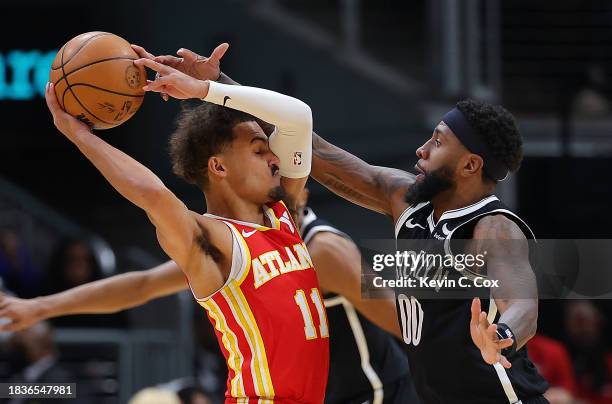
201	132
499	130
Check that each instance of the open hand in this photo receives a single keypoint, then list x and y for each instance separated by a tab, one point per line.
22	312
484	336
173	82
189	62
194	65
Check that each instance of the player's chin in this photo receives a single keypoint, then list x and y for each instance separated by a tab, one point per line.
276	193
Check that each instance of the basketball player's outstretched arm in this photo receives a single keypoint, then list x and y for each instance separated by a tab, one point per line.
380	189
338	265
516	297
110	295
191	241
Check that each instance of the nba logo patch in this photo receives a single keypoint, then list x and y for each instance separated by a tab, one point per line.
297	158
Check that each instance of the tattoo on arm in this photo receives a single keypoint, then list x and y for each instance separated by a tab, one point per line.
352	178
225	79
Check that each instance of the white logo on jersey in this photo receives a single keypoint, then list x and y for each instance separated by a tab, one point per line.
247	234
445	230
285	219
411	225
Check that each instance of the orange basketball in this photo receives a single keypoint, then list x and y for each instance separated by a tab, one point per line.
96	80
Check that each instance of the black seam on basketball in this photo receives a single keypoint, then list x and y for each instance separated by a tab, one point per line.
104	89
91	64
78	50
88	111
69	87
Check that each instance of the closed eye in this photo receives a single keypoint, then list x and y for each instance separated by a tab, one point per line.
437	142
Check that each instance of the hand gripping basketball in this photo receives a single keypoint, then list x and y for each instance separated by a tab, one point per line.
64	122
173	82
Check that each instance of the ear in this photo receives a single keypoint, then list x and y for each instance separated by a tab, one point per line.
472	164
216	167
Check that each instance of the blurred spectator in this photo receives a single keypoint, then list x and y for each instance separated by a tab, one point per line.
73	263
592	361
591	101
34	359
554	363
154	395
193	395
16	268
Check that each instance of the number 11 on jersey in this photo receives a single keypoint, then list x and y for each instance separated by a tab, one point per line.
309	328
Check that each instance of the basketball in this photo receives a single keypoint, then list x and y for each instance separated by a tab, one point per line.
96	80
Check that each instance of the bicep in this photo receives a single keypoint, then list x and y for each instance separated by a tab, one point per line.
175	225
507	252
380	189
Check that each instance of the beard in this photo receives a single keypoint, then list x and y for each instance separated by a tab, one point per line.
433	184
277	194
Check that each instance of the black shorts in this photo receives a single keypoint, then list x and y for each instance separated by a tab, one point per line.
536	400
400	391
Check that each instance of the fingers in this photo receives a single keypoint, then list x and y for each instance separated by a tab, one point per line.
51	99
168	60
505	362
475	312
219	51
156	85
491	331
483	323
141	52
505	343
188	55
153	65
11	327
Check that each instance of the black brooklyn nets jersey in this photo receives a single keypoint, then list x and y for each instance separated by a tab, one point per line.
445	364
363	358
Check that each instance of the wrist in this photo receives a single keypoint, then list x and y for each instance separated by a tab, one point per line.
42	307
504	332
204	87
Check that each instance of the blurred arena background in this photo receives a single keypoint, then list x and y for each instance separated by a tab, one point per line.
378	75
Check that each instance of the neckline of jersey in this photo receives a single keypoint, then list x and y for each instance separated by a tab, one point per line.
267	211
452	213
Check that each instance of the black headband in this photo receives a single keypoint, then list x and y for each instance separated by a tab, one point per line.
460	126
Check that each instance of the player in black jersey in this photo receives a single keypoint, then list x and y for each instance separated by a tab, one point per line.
455	352
367	364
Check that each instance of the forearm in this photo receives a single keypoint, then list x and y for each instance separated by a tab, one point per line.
130	178
285	112
521	316
225	79
373	187
116	293
104	296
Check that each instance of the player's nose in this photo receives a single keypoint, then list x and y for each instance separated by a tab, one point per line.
421	152
273	160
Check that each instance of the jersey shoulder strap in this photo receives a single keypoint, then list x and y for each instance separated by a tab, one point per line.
312	224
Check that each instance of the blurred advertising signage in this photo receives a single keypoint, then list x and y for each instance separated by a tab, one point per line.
24	73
